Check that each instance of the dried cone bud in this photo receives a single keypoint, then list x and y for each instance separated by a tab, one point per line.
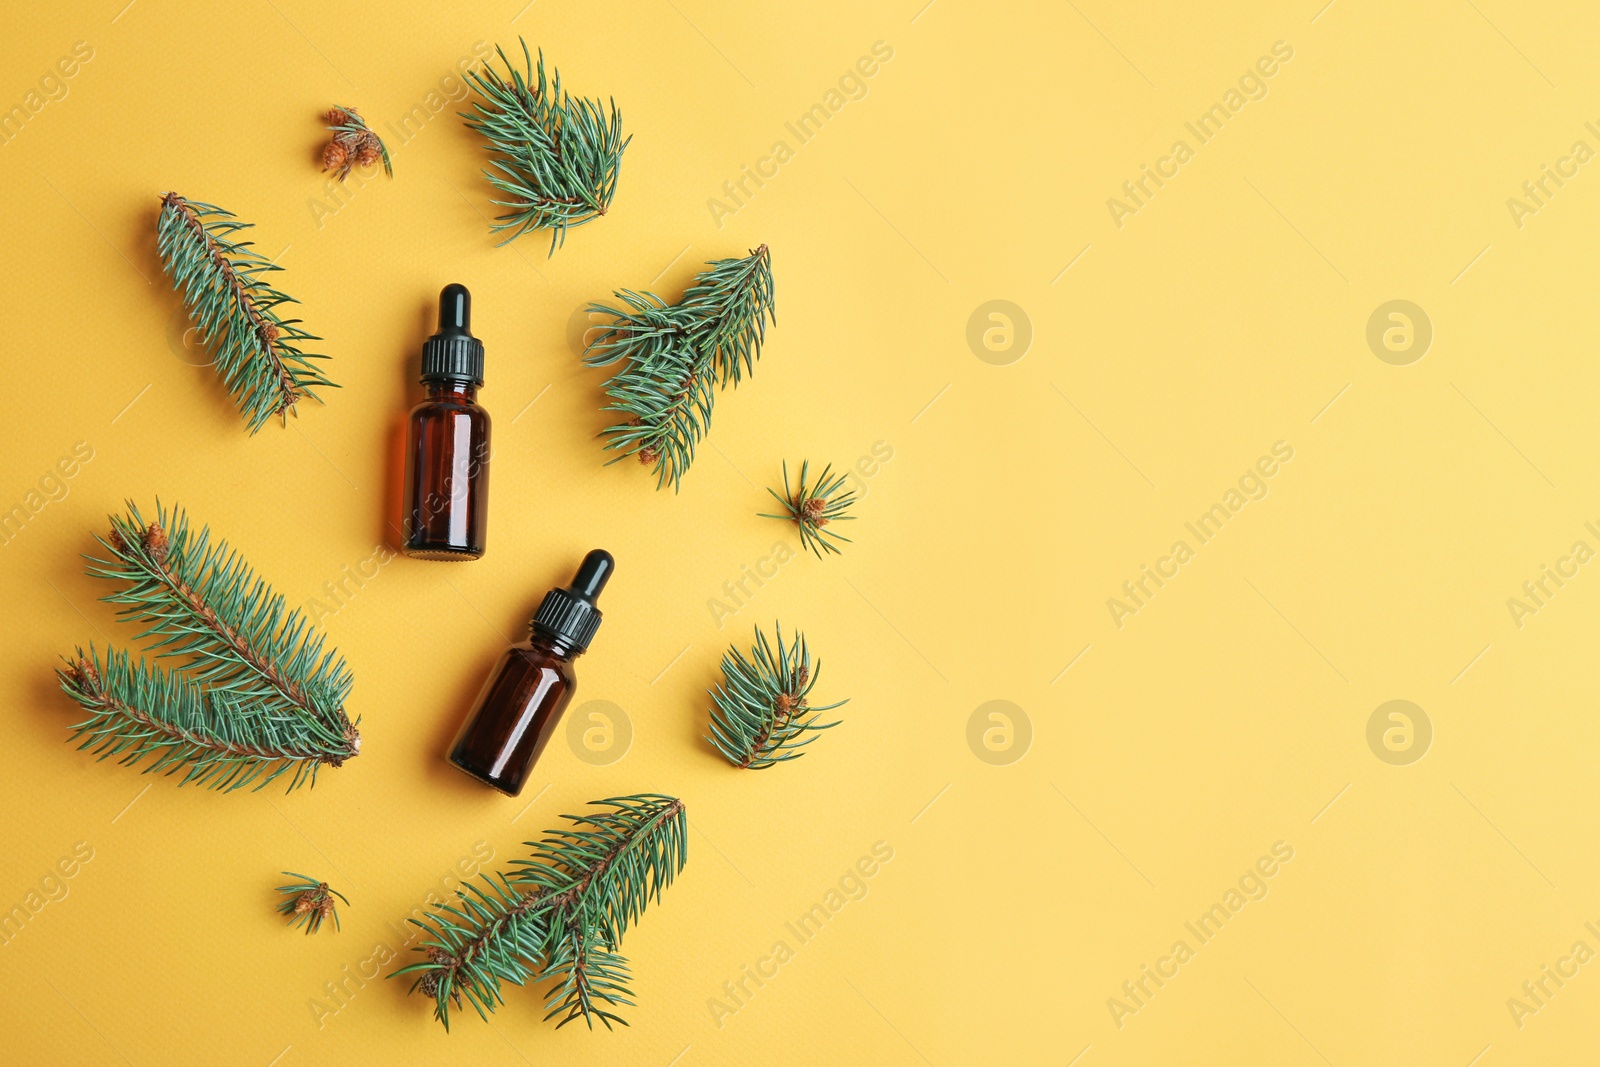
785	705
334	155
336	116
305	902
155	543
85	674
368	150
429	984
325	905
802	675
116	540
648	456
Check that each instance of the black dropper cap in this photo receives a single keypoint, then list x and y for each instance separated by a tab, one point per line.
453	354
569	614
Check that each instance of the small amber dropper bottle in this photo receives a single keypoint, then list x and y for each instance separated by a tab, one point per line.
447	442
531	685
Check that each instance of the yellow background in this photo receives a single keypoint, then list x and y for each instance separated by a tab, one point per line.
1230	713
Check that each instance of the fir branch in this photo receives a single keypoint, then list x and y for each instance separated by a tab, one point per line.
353	144
814	507
261	696
255	349
309	903
138	711
731	303
762	714
556	156
558	916
673	355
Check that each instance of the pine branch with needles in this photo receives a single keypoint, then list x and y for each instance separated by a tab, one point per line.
253	695
675	356
308	902
554	157
222	281
558	916
762	713
812	507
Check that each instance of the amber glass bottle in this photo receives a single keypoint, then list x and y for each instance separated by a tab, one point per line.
520	705
447	442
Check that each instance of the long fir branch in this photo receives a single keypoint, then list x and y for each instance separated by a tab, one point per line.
674	356
202	601
732	303
556	157
762	713
558	916
260	695
254	348
138	711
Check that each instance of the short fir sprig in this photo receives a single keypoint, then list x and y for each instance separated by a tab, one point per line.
761	712
675	356
554	156
222	282
308	902
813	507
255	695
558	916
353	144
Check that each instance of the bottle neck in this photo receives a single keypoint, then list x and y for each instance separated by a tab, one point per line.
552	644
451	389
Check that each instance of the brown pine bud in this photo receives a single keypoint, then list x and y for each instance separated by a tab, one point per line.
305	902
116	540
155	542
334	155
336	116
85	675
648	456
367	155
802	675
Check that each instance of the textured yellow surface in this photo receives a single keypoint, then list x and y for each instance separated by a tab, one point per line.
1194	747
